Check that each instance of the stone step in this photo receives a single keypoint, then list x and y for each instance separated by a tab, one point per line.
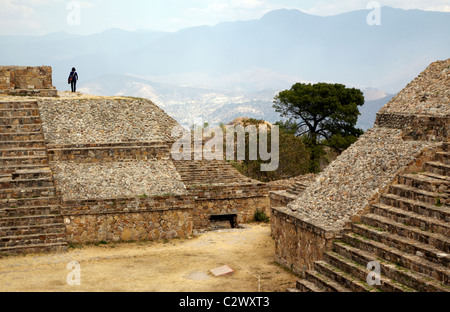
417	194
30	220
410	246
10	170
344	279
35	239
19	112
211	181
397	274
20	128
412	219
439	241
32	174
29	202
33	192
32	120
402	259
26	183
361	272
41	248
440	213
323	282
22	144
23	160
307	286
437	167
424	182
437	176
21	136
443	157
205	170
43	229
23	152
18	105
29	211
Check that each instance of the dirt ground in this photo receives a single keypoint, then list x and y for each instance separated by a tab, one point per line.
180	265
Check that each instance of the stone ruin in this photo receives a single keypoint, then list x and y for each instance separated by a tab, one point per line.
27	81
384	203
80	169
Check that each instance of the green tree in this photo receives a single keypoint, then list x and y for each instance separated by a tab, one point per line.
323	114
294	157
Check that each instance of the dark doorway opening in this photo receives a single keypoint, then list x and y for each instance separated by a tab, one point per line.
224	221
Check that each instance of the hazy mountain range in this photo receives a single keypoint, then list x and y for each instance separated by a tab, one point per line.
234	69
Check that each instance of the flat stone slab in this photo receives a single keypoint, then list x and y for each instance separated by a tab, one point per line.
224	270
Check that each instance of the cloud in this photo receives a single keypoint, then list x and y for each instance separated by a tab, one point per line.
15	10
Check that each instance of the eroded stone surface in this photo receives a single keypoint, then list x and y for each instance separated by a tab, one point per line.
117	179
82	119
345	187
428	94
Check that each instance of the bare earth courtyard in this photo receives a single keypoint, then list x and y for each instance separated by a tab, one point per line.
165	266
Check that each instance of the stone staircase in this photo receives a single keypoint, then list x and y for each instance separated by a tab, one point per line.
297	188
30	218
202	172
407	233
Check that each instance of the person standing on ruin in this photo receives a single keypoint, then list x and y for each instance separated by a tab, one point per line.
73	78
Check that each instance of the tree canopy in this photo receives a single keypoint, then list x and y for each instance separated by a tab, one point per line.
322	113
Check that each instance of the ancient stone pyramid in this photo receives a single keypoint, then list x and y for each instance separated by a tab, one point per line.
383	207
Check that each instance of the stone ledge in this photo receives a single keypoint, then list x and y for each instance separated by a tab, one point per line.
228	191
417	127
305	223
108	152
125	205
281	198
31	92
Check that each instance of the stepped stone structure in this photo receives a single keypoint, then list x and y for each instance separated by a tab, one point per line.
30	81
80	169
384	202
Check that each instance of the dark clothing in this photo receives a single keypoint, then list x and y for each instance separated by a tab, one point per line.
73	83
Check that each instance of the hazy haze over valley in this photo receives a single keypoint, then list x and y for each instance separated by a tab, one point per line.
234	69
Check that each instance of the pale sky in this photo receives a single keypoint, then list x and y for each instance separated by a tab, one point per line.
38	17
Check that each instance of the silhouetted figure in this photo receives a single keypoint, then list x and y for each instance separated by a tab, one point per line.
73	78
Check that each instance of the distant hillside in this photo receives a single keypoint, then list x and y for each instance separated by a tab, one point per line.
369	111
234	69
188	104
281	48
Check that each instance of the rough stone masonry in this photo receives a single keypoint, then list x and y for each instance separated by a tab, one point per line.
407	130
27	81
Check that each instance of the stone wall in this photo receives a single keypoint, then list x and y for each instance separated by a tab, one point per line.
128	219
298	243
417	127
240	199
21	80
95	153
